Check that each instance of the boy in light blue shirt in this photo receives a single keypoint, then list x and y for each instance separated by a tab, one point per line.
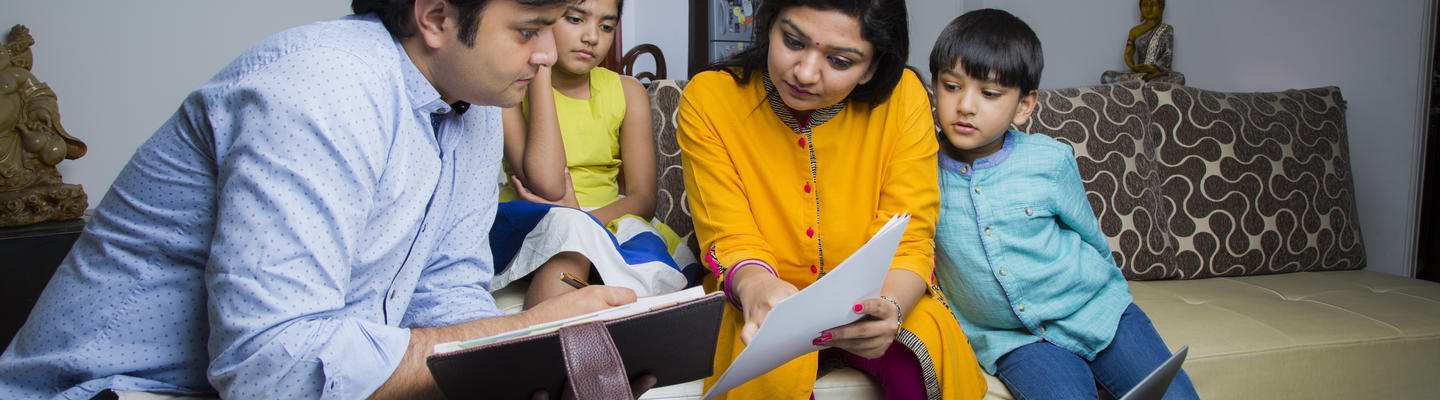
1019	251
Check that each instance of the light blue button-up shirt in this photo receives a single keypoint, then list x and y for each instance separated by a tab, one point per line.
278	235
1020	254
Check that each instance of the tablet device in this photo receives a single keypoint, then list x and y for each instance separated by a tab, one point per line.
1153	387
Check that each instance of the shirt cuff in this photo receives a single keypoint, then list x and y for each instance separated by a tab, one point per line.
352	374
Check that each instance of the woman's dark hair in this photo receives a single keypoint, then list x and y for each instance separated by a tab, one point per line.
397	14
883	24
990	43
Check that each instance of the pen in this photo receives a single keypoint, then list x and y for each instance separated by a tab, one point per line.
570	279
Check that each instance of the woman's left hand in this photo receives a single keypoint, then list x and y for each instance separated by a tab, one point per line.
871	335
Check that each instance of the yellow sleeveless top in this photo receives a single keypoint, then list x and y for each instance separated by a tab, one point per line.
591	130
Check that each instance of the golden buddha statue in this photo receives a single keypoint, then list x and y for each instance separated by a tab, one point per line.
32	142
1149	49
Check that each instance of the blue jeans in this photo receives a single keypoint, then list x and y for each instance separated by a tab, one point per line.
1042	370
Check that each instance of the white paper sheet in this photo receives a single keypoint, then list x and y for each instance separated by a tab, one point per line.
789	327
640	305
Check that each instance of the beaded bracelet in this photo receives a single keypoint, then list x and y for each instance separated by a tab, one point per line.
899	315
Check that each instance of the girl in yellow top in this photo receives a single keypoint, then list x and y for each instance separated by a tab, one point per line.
580	139
795	152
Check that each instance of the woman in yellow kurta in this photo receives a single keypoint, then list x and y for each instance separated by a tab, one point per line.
796	151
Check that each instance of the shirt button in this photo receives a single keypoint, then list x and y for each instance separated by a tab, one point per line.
802	142
987	230
1002	272
810	232
1020	308
807	188
1042	329
964	169
1029	211
977	190
814	270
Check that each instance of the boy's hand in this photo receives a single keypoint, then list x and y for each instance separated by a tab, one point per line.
568	200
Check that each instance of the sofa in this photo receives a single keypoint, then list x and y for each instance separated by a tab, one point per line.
1233	216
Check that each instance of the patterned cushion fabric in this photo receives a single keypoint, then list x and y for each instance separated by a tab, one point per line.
1256	183
670	201
1186	183
1107	127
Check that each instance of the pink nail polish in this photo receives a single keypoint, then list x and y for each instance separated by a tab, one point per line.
826	337
817	342
859	307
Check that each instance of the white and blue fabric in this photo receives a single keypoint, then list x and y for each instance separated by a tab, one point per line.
635	256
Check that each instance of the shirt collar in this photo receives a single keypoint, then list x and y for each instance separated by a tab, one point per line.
423	96
963	168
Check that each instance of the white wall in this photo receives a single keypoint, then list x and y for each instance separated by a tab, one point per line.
121	68
1375	51
663	23
927	18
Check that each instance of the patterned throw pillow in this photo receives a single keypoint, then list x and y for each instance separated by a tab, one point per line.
1108	128
670	202
1256	183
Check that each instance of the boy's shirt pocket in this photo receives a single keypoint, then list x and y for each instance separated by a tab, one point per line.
1029	220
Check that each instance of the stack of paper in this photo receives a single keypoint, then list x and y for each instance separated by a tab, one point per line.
789	328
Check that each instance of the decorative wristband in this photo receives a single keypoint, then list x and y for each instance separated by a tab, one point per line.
742	264
899	315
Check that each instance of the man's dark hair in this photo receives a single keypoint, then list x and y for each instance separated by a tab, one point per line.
883	24
990	43
398	14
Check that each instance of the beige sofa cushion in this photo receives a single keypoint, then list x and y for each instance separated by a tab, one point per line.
1306	335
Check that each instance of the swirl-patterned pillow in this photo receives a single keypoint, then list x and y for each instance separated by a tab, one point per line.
670	202
1107	126
1256	183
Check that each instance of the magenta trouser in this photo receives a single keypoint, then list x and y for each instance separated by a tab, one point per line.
898	370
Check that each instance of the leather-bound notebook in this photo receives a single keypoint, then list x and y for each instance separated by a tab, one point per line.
671	337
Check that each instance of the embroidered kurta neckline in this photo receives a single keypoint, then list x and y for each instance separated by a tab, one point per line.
815	118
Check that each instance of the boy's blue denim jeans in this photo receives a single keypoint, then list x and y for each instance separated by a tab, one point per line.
1042	370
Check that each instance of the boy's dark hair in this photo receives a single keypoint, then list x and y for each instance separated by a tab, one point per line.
990	43
397	14
883	23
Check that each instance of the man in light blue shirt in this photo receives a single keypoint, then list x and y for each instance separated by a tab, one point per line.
309	223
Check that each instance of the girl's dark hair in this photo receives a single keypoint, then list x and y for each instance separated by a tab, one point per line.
883	24
990	43
397	14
